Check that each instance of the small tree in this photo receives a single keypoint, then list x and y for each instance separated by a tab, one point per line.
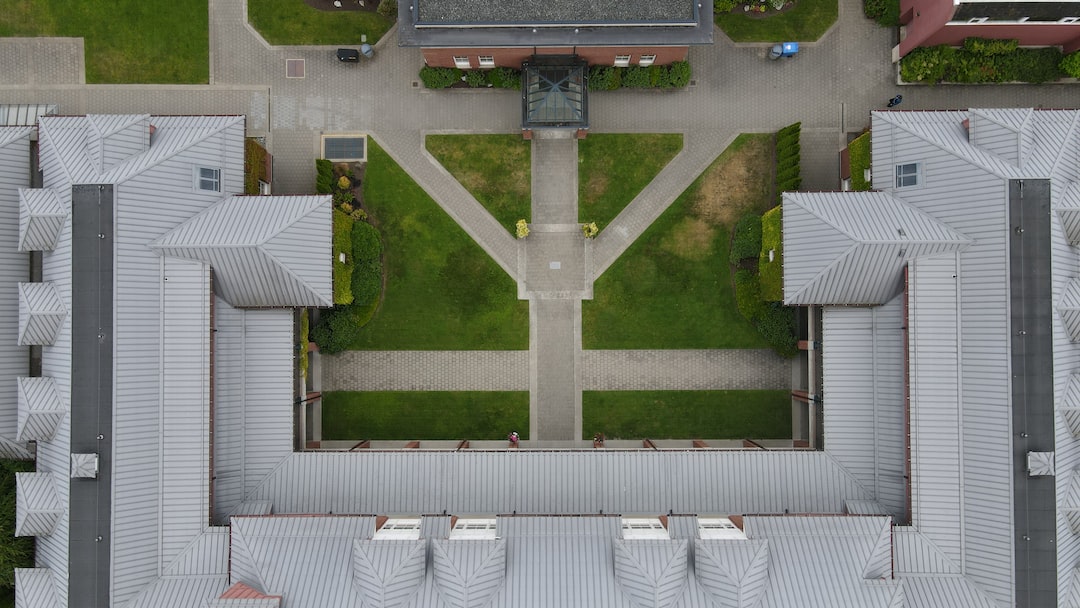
590	230
522	229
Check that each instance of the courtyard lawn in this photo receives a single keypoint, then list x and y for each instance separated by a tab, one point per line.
292	22
126	41
673	287
496	169
807	22
613	168
687	414
442	291
410	415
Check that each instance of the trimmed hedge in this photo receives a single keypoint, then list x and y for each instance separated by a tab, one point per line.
990	62
367	275
885	12
771	274
336	330
788	159
747	240
609	78
773	320
324	176
442	78
505	78
859	160
439	78
1070	65
343	273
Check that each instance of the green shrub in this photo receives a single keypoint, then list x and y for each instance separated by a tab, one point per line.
505	78
926	64
943	63
254	165
366	242
388	9
439	78
747	294
366	282
788	153
324	176
1037	65
336	330
990	46
604	78
771	274
724	6
680	73
790	130
305	337
476	78
747	240
885	12
342	275
1070	64
636	77
776	323
658	77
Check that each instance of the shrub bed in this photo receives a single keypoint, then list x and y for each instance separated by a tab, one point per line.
859	161
343	270
16	552
443	78
773	320
885	12
609	78
788	157
254	165
746	243
771	274
982	61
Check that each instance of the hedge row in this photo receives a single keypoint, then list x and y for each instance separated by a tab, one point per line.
746	243
339	326
254	165
773	320
343	271
15	552
441	78
324	176
771	274
788	177
885	12
859	161
609	78
985	61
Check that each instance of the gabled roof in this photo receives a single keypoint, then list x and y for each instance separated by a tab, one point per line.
41	313
37	508
735	573
41	217
387	573
265	251
1068	306
1068	209
41	409
35	588
112	139
652	573
850	248
468	574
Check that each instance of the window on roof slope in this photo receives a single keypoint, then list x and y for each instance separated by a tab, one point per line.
718	527
399	529
473	529
907	174
643	527
208	179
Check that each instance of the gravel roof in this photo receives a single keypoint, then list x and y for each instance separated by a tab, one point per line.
531	12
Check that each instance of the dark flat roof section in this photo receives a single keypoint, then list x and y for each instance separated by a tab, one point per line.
1032	390
91	395
574	12
1014	11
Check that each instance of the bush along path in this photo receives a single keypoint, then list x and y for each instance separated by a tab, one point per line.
358	271
756	255
982	60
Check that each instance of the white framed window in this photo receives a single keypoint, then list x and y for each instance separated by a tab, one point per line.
462	63
1068	19
907	175
646	60
978	20
622	61
643	527
473	529
487	61
718	527
399	529
208	179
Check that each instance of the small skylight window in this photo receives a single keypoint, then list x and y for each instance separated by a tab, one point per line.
208	179
473	529
907	175
643	527
399	529
718	527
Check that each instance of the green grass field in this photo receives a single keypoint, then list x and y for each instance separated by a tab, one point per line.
127	41
292	22
424	415
673	288
442	291
807	22
687	414
614	167
496	169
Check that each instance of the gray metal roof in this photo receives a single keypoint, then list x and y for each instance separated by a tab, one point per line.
434	13
41	409
37	508
468	574
1068	306
651	573
41	217
41	313
266	251
35	588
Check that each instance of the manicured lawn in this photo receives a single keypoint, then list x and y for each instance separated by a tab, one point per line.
292	22
771	274
614	167
494	168
127	41
804	23
673	288
859	159
425	415
687	414
442	292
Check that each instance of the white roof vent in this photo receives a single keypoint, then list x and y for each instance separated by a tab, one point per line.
719	527
473	529
399	529
643	527
84	466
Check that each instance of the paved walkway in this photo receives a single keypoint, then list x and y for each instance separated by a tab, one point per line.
830	87
426	370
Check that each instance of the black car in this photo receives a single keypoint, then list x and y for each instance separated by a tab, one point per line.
348	55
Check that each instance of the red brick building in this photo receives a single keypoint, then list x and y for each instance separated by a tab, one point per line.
475	34
932	22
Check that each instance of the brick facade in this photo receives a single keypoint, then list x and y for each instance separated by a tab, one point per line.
926	23
514	56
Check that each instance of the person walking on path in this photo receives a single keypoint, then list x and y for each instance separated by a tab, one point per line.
513	439
895	101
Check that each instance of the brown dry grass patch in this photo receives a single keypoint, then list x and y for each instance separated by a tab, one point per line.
740	183
691	239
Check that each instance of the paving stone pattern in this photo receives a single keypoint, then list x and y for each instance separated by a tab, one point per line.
700	370
412	370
